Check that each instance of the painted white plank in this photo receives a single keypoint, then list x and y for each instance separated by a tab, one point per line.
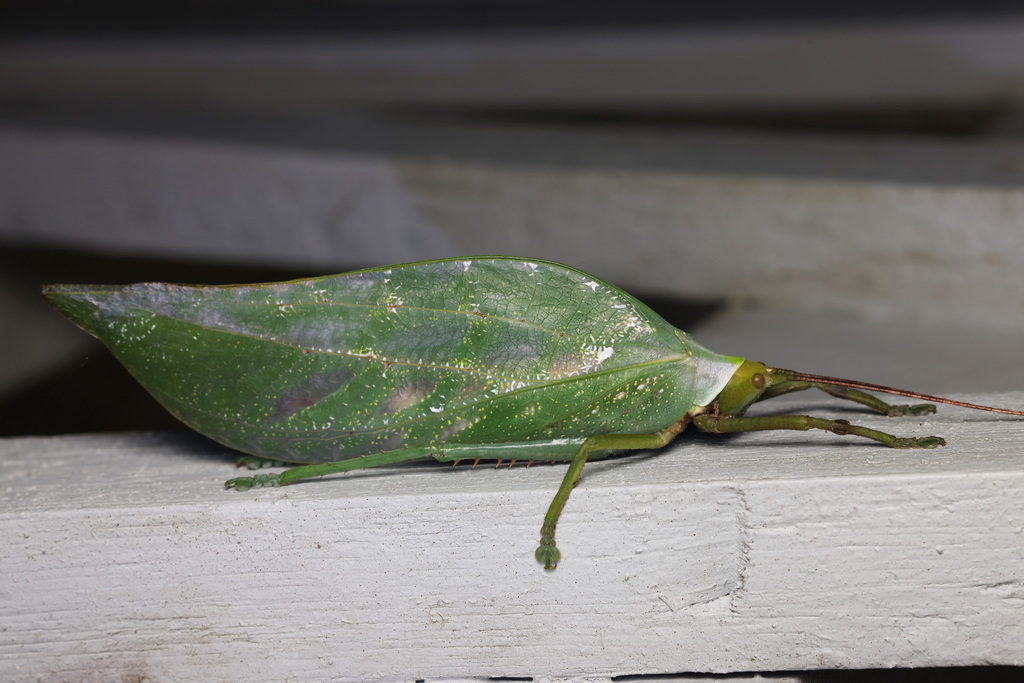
926	231
123	557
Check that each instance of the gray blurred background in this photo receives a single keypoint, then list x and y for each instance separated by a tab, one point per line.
836	189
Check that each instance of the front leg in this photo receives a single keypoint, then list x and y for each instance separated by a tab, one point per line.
848	394
724	424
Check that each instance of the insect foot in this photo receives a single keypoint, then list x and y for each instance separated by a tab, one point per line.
918	410
548	554
255	482
921	442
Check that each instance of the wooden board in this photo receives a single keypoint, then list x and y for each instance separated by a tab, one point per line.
123	557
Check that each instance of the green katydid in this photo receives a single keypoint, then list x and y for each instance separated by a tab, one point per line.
471	358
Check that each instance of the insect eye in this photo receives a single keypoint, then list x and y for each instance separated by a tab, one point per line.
758	381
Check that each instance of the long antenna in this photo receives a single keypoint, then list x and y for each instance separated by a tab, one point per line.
822	379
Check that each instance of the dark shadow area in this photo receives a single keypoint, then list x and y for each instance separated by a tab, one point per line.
939	119
189	18
981	674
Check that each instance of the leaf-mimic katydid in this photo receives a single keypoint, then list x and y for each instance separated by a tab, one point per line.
454	359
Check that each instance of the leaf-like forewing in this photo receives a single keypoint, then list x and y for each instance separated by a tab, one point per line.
476	350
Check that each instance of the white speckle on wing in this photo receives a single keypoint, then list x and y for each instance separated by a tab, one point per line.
594	355
636	325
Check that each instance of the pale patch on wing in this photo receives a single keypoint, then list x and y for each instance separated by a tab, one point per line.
565	365
311	391
406	396
472	389
456	427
